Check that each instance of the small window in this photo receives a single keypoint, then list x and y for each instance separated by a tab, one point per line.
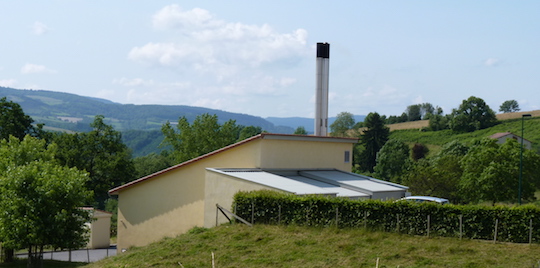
347	156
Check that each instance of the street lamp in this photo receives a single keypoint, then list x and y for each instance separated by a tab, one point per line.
521	158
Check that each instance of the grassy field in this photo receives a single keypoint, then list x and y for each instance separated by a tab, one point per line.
292	246
425	123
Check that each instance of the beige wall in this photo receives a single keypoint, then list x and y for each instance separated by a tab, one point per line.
305	154
173	202
100	230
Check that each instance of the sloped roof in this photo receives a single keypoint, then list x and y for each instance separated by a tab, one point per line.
504	134
115	191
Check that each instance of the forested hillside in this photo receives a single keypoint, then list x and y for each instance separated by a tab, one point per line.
73	112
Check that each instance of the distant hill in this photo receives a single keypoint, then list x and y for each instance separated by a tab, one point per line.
74	112
140	124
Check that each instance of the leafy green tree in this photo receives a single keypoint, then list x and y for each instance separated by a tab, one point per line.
438	122
418	151
434	178
344	122
473	114
300	131
151	163
491	172
13	121
248	132
40	200
426	109
509	106
440	175
101	153
204	135
392	160
371	141
414	112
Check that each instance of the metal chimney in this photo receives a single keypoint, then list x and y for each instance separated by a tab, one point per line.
321	91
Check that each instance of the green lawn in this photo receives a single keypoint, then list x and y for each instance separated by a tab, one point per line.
291	246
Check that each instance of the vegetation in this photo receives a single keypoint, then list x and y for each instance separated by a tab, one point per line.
344	122
478	222
101	153
509	106
204	135
41	200
372	140
473	114
14	121
262	246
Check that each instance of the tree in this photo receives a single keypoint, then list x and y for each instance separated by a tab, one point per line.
371	141
151	163
414	112
491	171
392	160
300	131
419	151
248	132
13	121
40	200
440	175
509	106
344	122
426	109
101	153
204	135
473	114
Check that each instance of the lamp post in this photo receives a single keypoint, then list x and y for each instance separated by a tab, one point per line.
521	158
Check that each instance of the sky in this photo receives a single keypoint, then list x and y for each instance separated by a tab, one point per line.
258	57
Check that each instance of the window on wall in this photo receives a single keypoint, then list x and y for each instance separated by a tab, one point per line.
347	156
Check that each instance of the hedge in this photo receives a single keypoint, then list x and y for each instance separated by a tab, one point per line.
519	224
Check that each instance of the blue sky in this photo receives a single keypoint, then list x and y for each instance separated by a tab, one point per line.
258	57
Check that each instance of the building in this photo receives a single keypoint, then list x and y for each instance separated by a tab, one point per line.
174	200
503	136
100	228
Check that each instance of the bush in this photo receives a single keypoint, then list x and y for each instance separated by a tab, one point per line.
513	224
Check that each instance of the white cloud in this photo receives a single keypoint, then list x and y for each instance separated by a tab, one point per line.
491	62
7	82
35	69
208	44
132	82
39	28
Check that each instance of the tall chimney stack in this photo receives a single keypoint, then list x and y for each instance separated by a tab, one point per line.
321	93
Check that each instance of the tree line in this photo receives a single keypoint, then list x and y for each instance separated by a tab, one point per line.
464	173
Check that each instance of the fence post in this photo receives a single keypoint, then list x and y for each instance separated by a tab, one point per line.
460	226
279	215
365	219
496	227
337	216
428	222
252	212
530	231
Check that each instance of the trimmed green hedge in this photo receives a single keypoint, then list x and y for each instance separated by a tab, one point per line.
509	224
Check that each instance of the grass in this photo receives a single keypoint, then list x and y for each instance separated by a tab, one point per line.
292	246
435	139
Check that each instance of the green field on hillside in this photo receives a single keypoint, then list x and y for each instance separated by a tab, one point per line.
292	246
435	139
